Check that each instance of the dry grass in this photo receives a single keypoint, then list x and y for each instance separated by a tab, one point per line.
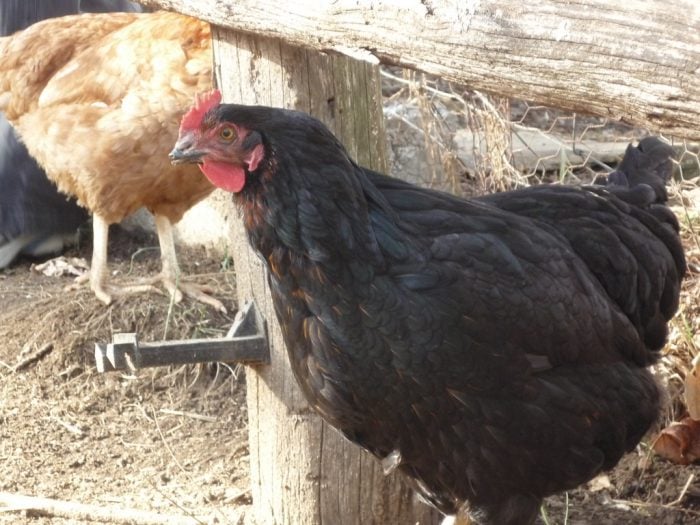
170	439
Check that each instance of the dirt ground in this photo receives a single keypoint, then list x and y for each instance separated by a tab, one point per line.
173	440
170	440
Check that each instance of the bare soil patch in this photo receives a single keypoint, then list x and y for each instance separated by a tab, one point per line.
173	440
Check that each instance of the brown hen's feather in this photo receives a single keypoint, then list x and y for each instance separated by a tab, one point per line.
98	98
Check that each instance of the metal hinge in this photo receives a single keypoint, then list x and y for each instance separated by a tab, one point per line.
244	343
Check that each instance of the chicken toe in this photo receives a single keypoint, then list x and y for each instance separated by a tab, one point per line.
195	291
171	276
105	291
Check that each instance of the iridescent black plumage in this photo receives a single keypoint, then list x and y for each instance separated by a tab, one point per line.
495	348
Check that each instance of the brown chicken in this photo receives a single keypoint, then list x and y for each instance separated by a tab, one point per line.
97	99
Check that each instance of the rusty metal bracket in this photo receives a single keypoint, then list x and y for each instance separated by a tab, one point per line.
245	343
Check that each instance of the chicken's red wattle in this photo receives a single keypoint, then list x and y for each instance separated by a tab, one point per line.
224	175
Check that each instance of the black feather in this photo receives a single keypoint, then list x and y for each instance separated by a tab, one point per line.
498	345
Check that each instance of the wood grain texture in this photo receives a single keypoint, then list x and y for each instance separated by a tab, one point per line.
635	61
303	472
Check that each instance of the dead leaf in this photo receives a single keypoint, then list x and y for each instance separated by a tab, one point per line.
61	266
679	442
601	482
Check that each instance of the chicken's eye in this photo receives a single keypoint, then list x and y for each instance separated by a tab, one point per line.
227	134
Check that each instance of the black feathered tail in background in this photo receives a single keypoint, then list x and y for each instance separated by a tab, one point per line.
637	254
647	163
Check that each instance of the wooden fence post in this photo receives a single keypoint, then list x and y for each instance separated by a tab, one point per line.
302	471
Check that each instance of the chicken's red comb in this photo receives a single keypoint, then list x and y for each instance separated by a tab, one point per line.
203	102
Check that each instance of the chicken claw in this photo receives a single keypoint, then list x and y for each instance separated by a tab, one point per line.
178	288
170	275
195	291
106	292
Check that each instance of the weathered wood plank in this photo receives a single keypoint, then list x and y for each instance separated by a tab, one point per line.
302	471
636	61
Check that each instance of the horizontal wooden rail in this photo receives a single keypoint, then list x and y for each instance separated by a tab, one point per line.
636	61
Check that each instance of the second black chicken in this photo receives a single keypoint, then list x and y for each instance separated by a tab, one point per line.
494	350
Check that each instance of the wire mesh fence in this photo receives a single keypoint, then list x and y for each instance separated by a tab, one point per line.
476	142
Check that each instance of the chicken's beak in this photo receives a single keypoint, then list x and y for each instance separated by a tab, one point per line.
184	152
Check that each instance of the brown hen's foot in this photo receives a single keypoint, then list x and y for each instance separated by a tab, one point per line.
171	270
199	293
105	292
98	273
178	287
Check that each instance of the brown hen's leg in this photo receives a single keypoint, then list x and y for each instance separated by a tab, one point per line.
98	267
171	276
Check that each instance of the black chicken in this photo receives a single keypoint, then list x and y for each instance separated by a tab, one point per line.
494	350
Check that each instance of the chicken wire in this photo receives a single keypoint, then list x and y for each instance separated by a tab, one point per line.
477	143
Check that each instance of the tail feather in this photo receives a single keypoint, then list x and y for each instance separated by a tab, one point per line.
647	166
625	234
642	175
640	180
